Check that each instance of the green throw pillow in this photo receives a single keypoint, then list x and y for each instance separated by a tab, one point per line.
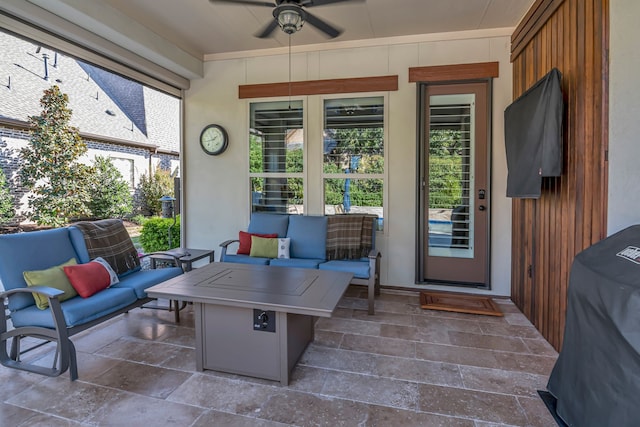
264	247
53	277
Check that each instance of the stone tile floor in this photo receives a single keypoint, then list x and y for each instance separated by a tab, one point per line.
403	366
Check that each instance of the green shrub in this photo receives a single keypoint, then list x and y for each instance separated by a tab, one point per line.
152	188
139	219
110	195
6	201
154	236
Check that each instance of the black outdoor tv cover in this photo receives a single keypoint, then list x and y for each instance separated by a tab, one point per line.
533	136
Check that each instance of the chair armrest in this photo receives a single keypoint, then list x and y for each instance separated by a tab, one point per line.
374	253
52	295
224	246
44	290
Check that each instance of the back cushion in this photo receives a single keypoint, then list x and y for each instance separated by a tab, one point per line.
308	236
264	223
35	250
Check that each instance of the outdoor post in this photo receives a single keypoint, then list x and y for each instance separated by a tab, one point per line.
168	211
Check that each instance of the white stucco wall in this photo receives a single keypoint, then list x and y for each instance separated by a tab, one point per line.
624	111
216	189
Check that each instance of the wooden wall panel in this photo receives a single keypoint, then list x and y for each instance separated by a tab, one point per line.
570	215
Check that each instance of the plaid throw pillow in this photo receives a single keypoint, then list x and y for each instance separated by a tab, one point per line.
109	239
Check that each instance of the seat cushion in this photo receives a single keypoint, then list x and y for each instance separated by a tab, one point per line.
296	262
246	259
142	279
308	236
264	223
360	269
36	250
77	310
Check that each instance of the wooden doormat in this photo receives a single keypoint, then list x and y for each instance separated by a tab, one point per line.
461	303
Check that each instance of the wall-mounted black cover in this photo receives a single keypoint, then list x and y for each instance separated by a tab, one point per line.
533	136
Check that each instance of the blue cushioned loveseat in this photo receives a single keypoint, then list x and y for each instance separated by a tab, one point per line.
308	244
40	250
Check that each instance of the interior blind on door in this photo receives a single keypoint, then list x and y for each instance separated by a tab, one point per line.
450	175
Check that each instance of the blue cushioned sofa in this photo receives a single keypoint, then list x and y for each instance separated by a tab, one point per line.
40	250
307	249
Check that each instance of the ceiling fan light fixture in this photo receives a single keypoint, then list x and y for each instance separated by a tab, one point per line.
290	18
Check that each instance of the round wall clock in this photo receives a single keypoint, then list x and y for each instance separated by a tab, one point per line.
214	139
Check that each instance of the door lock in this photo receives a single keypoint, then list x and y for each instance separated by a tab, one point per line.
481	194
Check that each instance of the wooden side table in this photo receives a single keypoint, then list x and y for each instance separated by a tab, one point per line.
186	257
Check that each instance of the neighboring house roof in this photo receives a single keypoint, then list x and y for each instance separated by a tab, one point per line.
127	94
103	103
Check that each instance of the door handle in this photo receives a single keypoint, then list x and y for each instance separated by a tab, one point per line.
481	208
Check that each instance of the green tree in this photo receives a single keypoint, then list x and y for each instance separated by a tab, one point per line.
152	187
111	197
446	173
295	159
6	201
50	167
361	141
255	154
367	144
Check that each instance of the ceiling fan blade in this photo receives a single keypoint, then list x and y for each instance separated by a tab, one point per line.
247	2
323	26
267	30
310	3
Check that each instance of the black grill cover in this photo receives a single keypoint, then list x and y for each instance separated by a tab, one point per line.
533	136
596	378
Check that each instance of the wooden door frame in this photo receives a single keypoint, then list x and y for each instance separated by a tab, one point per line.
421	183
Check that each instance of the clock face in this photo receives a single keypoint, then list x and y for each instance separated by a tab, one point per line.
213	139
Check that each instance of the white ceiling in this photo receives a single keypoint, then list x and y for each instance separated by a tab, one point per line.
179	35
201	27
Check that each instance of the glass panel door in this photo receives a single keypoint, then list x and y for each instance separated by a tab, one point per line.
455	193
451	175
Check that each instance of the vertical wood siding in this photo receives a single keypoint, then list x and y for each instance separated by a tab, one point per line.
570	215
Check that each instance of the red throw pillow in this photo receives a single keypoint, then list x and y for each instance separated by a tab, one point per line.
88	279
245	241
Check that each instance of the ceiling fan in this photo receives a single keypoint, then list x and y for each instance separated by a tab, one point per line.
290	15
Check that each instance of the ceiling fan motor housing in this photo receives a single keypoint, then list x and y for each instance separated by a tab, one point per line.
290	17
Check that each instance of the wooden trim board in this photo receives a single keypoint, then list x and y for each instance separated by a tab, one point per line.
319	87
460	303
455	72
